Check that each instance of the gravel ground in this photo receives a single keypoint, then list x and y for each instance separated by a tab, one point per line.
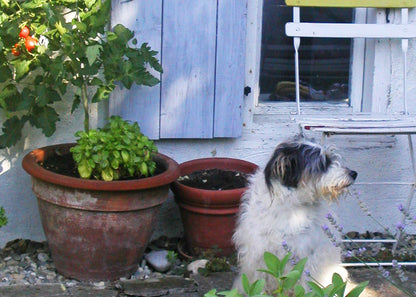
26	269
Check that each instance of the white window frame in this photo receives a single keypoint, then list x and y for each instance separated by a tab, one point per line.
361	71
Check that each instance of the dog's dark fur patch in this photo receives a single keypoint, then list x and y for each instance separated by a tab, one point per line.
290	161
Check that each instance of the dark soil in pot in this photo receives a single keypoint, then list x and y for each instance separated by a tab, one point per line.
215	179
62	164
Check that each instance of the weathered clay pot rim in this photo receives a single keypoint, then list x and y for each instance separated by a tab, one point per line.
199	164
31	166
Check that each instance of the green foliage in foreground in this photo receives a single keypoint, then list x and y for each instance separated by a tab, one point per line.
288	283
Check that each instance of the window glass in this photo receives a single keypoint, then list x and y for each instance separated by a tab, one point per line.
324	62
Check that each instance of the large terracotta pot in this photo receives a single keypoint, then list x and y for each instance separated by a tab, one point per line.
97	230
209	216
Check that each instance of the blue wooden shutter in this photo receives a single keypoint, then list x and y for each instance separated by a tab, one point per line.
140	103
229	90
202	51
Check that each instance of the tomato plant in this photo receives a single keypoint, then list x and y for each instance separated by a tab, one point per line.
81	57
24	32
30	43
16	50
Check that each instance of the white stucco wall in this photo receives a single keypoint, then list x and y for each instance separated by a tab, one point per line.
374	157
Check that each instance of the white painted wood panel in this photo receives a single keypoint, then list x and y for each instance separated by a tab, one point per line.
350	30
229	86
188	60
140	103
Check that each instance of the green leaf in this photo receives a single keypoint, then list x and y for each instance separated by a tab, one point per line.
80	25
115	164
77	157
111	36
231	293
102	93
329	290
316	289
337	290
283	263
44	118
126	156
5	73
143	169
245	282
60	28
300	266
291	279
299	291
12	131
257	287
272	263
123	34
337	279
10	98
21	67
107	174
116	154
96	158
84	169
93	52
41	49
41	29
43	99
96	82
357	290
211	293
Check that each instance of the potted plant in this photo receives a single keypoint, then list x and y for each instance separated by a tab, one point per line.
208	210
98	221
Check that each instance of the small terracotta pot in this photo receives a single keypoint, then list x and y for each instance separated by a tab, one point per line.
97	230
209	216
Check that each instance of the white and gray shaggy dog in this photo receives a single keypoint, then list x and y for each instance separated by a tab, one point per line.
285	207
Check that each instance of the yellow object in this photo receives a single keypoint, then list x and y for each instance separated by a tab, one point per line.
353	3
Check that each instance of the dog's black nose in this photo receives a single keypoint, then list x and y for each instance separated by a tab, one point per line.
353	174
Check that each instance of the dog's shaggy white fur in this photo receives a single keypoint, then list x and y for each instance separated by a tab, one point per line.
285	206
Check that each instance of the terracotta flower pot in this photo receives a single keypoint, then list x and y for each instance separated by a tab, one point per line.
209	215
97	230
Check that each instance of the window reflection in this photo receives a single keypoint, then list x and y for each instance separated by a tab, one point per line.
324	62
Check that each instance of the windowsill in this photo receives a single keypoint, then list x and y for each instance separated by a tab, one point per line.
307	108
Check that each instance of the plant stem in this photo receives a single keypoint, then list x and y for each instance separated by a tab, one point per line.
84	98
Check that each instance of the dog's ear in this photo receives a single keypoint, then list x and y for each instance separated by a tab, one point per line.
284	166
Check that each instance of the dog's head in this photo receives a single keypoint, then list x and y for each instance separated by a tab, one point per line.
307	165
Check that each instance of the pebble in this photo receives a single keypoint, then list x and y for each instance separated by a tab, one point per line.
195	265
43	257
99	285
158	260
71	283
25	262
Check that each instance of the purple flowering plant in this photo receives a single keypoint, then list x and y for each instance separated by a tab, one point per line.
361	254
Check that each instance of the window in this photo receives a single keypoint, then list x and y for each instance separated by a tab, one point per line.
324	62
359	65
